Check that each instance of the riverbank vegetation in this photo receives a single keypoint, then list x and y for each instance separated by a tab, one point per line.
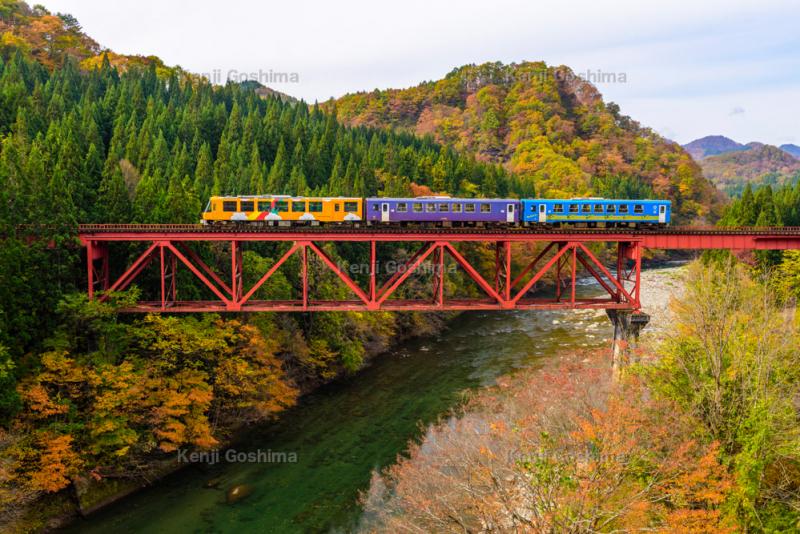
702	435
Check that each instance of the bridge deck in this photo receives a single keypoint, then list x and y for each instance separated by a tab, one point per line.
674	237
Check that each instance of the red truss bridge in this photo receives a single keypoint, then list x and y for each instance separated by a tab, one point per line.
566	255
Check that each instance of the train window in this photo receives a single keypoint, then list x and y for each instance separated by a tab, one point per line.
456	208
315	207
599	208
281	206
337	207
622	208
229	205
486	208
351	206
264	205
444	206
402	207
573	208
586	208
376	207
638	208
430	207
298	206
469	208
417	207
558	208
248	205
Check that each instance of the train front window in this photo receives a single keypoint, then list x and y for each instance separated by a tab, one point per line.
351	206
230	205
486	208
248	205
402	207
208	207
315	207
638	208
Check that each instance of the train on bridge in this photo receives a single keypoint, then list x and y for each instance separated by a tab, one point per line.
437	211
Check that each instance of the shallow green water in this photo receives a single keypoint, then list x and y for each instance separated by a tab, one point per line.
344	431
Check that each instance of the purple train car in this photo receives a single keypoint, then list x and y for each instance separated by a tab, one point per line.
442	210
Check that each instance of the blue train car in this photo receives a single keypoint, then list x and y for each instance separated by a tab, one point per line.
442	209
596	211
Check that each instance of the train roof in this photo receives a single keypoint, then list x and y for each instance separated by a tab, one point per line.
442	199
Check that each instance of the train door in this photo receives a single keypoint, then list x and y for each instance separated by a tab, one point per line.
384	212
542	212
662	214
510	213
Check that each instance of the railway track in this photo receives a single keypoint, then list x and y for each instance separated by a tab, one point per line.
89	229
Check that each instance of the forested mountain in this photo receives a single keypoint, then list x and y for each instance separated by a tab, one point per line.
757	164
547	126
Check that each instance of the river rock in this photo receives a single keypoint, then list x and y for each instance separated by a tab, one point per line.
213	483
237	493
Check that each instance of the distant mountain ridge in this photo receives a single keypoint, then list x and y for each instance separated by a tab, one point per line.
712	145
794	150
731	165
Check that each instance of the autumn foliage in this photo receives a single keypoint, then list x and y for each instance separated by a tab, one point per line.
109	400
557	450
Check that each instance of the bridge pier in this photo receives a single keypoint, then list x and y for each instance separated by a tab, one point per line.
627	326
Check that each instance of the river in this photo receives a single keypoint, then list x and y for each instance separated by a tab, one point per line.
343	431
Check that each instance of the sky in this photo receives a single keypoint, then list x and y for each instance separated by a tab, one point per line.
686	68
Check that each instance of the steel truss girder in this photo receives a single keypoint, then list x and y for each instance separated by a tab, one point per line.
559	259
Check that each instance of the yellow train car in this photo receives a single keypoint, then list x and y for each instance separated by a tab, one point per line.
282	210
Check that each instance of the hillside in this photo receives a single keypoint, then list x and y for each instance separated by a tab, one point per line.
544	124
758	164
712	145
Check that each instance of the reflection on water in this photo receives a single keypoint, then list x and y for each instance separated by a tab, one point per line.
344	431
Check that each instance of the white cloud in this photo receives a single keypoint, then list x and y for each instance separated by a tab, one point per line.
674	53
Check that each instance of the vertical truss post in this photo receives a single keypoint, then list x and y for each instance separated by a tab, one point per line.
373	265
439	275
507	266
574	269
90	267
163	276
558	273
502	269
620	270
637	250
236	272
304	272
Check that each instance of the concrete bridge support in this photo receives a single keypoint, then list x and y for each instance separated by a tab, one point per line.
627	326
